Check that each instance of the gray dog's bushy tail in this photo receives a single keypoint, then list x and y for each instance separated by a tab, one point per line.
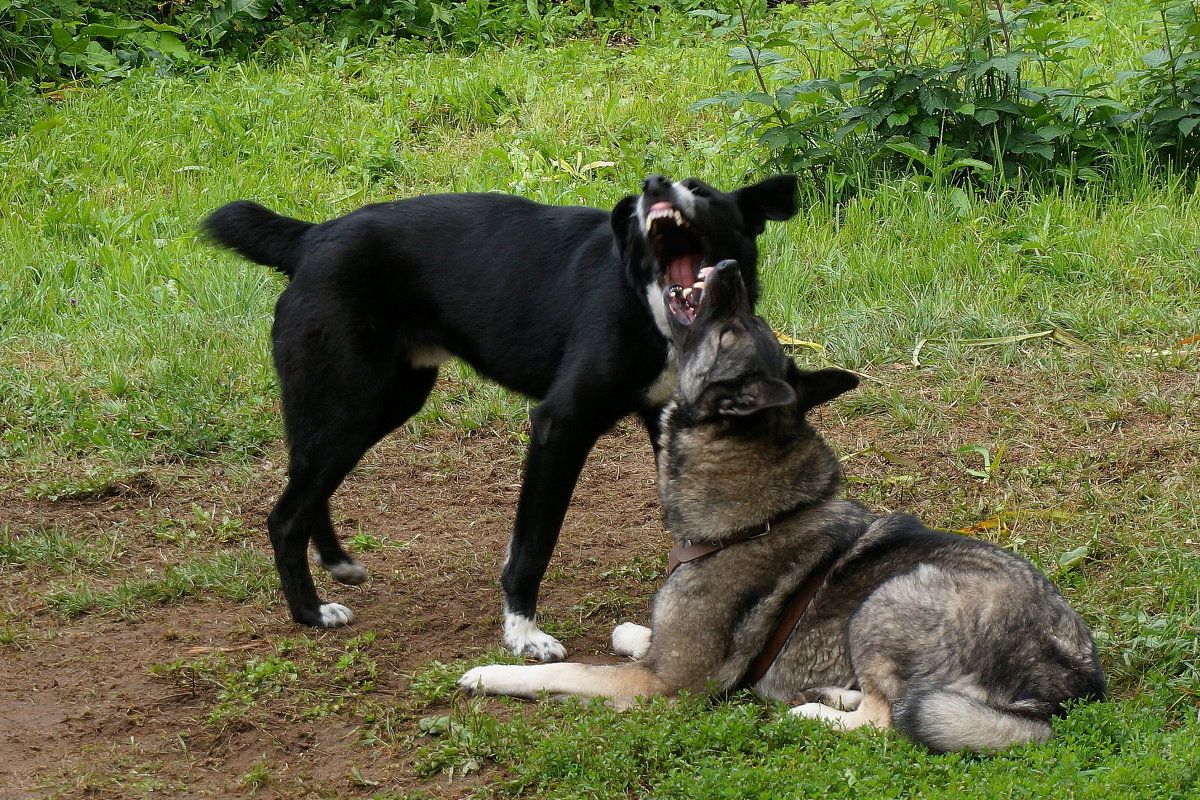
946	721
257	233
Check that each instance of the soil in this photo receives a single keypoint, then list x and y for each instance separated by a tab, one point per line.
84	714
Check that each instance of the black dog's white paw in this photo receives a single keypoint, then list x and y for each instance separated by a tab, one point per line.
349	572
334	615
524	638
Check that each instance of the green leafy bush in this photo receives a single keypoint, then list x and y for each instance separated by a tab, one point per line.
1170	83
58	40
952	88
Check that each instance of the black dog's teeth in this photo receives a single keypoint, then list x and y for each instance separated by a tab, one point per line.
671	214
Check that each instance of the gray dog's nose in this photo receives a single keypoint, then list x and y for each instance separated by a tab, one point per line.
655	184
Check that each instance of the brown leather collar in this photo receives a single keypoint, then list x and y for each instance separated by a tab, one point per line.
684	551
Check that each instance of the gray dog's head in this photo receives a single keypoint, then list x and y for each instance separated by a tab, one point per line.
731	364
738	449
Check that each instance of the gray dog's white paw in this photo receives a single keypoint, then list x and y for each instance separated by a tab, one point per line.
830	716
507	679
472	681
335	615
524	638
631	640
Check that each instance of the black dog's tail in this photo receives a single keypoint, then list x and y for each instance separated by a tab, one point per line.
258	233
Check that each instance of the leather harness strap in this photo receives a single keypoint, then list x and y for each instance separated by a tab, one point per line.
686	551
792	613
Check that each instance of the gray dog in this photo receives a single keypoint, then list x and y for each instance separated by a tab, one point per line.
779	585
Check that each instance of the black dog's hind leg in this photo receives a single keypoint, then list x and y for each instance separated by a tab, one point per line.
403	401
327	437
562	435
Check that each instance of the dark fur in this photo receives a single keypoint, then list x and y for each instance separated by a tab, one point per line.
548	301
957	642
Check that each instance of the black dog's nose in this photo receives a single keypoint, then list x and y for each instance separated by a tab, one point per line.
655	184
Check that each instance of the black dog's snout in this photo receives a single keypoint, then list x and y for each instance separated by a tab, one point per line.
656	184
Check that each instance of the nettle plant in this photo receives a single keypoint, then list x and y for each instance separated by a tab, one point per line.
1170	83
947	88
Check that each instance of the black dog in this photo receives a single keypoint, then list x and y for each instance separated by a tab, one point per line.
563	304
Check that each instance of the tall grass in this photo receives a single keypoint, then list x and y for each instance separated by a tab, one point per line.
127	340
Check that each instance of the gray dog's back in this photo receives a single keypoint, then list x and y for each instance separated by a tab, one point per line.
971	644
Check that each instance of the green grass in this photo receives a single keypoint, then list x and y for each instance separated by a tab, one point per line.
131	351
694	749
311	678
56	550
234	575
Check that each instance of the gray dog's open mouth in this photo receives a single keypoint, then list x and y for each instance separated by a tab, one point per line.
678	248
683	302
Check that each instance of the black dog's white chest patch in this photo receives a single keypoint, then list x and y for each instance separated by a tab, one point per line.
661	389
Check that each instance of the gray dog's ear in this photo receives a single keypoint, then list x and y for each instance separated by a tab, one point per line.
748	397
820	386
771	198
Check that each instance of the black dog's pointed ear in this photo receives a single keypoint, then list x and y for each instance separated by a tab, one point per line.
624	215
752	396
771	198
820	386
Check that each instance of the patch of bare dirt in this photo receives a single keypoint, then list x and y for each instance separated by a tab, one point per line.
85	717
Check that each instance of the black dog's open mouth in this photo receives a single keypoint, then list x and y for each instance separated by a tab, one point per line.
683	302
678	248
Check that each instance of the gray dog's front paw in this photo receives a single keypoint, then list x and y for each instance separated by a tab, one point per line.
631	640
504	679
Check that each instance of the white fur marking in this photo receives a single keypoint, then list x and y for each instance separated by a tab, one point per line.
524	638
658	307
335	615
424	356
681	197
349	572
631	640
664	385
502	679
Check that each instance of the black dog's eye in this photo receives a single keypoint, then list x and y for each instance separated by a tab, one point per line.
695	187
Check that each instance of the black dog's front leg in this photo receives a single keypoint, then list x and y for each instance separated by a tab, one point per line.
652	419
561	438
